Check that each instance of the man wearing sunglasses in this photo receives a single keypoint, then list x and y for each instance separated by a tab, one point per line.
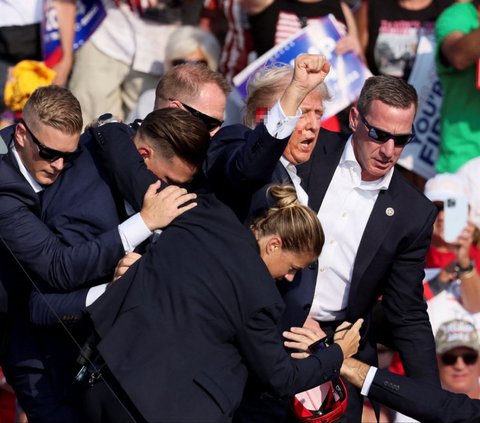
457	347
191	87
60	229
378	229
196	89
457	352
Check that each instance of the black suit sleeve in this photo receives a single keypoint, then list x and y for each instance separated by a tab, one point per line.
421	401
405	307
39	251
261	346
47	309
242	160
127	168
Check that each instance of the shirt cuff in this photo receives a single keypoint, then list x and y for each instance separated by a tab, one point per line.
94	293
372	371
278	125
133	232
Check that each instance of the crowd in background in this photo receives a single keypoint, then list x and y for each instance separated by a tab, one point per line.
117	67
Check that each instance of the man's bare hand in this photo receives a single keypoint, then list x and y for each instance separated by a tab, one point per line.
124	264
310	70
160	208
354	371
299	339
348	340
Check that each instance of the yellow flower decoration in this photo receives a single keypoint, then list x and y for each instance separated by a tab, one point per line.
25	77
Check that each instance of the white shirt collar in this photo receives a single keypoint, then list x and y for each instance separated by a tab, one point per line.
33	183
348	159
287	165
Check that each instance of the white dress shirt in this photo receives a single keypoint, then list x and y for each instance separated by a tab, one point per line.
344	214
292	172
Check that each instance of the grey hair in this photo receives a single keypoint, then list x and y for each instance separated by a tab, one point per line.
186	39
266	86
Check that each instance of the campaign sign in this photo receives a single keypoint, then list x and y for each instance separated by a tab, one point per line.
347	73
90	14
421	154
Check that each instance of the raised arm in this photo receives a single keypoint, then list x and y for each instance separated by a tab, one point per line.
244	160
124	163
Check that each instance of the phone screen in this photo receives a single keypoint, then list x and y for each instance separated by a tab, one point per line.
455	218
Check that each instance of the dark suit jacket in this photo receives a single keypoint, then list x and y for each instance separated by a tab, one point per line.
34	244
241	163
78	208
47	261
240	166
421	401
184	324
390	261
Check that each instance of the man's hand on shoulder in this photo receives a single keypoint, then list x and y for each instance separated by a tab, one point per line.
161	207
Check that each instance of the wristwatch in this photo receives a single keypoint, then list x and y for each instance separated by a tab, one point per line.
462	270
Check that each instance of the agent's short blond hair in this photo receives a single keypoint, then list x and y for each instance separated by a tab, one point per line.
56	107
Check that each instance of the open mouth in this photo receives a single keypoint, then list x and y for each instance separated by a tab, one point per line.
306	145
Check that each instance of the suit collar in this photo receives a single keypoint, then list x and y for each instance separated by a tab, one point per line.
23	170
317	173
3	146
377	228
12	157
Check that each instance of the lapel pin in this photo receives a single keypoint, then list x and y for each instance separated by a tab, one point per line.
389	211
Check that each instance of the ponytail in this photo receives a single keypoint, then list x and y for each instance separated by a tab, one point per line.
296	224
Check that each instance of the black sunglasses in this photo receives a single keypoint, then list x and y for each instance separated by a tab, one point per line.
47	153
177	62
400	140
326	341
469	358
210	122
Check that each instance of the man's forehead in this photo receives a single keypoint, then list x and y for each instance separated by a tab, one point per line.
312	101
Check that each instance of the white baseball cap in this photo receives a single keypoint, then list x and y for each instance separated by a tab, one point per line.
444	186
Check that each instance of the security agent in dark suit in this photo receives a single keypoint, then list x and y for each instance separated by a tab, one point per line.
242	163
419	400
169	146
378	229
200	309
50	259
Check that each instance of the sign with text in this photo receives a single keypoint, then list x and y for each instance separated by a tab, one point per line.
90	13
347	73
421	154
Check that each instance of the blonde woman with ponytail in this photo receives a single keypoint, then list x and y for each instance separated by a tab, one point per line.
289	235
184	327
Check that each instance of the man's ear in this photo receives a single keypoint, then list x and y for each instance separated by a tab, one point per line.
353	118
175	104
145	151
273	245
20	135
